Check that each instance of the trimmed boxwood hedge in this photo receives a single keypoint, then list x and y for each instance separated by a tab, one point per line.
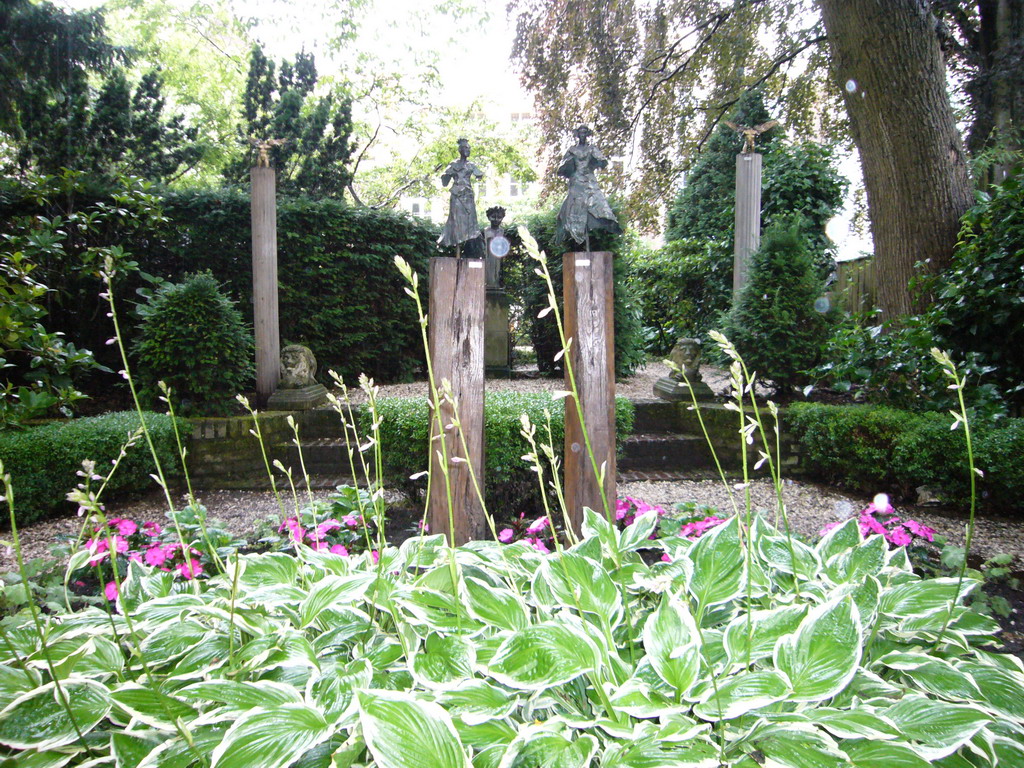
880	449
511	487
43	461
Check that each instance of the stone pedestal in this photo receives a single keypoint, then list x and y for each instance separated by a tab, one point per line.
748	216
497	340
300	399
264	283
669	388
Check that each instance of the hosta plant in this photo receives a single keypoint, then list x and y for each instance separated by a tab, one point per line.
745	650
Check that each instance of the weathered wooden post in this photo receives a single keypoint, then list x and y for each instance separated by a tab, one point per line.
456	341
264	276
589	321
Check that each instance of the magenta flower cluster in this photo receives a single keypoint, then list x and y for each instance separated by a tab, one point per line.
342	536
538	534
879	517
142	544
628	509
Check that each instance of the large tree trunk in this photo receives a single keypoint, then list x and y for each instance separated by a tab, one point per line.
886	58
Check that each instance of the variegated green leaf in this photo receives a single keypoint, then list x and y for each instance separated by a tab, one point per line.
271	738
882	754
742	693
38	719
403	732
821	657
541	656
717	565
672	643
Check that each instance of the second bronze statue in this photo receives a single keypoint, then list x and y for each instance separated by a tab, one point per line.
585	208
462	223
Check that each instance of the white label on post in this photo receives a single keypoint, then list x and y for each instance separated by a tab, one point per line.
476	265
582	262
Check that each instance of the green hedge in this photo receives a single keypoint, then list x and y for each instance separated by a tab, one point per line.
44	461
511	487
879	449
338	289
339	292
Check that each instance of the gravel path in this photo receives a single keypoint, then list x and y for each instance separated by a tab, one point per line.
810	505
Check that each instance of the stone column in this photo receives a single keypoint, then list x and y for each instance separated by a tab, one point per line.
748	216
456	340
589	321
264	283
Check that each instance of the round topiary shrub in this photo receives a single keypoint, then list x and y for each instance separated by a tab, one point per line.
774	324
193	338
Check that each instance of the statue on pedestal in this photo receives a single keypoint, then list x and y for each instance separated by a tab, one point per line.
585	208
462	222
298	389
685	357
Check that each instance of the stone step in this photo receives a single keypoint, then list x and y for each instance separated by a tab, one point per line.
665	451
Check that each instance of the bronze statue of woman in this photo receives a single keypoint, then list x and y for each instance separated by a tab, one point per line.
462	222
585	208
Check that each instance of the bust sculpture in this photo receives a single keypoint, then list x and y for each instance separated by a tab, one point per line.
686	355
684	382
298	367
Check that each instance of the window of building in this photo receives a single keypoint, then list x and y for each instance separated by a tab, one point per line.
415	209
513	188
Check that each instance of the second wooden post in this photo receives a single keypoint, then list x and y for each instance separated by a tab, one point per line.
456	338
589	322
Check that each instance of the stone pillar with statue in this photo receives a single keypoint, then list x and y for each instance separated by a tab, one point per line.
748	202
298	389
685	382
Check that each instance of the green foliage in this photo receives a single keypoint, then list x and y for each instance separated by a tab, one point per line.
530	292
315	130
74	106
877	448
53	244
682	288
192	337
510	486
44	461
727	655
979	306
774	323
890	364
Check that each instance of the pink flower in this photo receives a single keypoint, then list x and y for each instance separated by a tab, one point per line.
926	533
350	520
98	550
376	556
294	528
339	549
327	526
320	546
110	590
869	525
505	535
830	526
538	525
190	569
424	526
156	555
899	536
539	545
126	527
151	529
135	557
120	544
621	508
666	558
